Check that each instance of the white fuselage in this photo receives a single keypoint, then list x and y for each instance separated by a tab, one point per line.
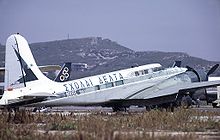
103	88
95	89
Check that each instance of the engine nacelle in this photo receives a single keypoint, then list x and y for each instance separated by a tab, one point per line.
197	76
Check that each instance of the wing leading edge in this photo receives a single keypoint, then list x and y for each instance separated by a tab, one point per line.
163	96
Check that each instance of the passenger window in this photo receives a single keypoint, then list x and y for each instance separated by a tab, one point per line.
157	69
108	85
150	71
97	87
145	71
118	83
136	73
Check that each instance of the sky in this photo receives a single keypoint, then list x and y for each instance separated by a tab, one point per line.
191	26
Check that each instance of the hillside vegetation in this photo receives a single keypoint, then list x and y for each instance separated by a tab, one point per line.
104	55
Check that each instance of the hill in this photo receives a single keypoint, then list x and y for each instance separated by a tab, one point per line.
104	55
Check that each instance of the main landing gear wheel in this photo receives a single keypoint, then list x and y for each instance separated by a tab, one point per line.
116	109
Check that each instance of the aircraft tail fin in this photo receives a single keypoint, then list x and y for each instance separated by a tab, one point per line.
64	73
20	66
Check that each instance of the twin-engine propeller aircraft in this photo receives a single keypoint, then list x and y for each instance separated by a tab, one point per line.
147	85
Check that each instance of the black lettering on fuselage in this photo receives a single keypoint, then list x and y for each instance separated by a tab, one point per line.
65	85
115	77
71	87
105	79
110	78
100	81
91	82
76	85
120	76
87	83
82	85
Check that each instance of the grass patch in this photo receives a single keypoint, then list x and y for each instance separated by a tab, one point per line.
26	125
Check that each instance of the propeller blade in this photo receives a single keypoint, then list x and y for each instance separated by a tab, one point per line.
213	69
193	70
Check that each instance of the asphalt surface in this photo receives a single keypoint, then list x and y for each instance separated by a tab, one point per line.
132	109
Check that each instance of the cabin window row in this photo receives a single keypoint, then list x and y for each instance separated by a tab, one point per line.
109	85
143	72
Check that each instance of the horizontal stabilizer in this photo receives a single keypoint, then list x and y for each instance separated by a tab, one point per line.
37	95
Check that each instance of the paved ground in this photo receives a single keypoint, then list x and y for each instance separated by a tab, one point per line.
108	109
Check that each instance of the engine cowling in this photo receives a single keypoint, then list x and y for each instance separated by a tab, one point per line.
197	76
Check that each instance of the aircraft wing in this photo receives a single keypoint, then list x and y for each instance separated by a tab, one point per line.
37	95
157	91
142	102
199	85
160	96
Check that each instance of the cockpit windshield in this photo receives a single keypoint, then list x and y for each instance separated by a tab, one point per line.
147	71
158	69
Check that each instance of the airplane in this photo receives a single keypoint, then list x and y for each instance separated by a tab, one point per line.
147	85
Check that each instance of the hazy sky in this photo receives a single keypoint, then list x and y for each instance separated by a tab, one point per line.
191	26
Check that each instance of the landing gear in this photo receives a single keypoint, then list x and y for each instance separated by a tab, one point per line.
186	101
40	109
168	107
117	109
148	108
214	105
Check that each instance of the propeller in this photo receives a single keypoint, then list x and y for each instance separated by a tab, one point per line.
193	70
203	76
213	69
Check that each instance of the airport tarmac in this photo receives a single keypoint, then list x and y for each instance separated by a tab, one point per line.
132	109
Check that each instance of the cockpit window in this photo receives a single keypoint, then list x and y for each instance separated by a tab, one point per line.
97	87
158	69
